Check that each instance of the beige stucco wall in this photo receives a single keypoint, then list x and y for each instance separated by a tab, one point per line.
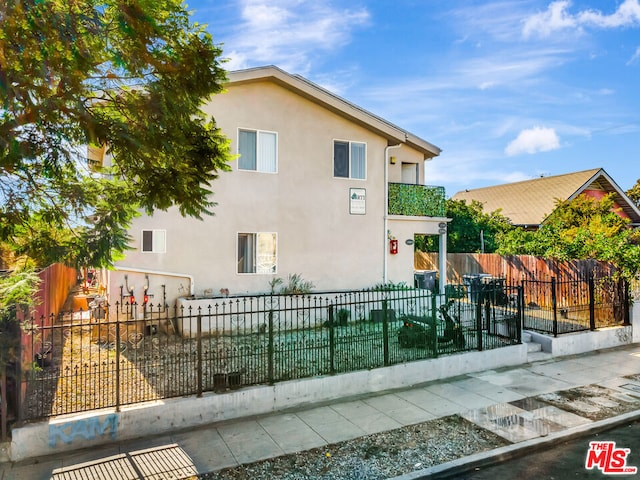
403	229
303	203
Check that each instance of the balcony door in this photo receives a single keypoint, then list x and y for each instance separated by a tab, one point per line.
410	173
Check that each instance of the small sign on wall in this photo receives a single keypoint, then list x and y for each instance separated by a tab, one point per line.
357	201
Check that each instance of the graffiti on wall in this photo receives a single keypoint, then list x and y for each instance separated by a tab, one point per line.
87	429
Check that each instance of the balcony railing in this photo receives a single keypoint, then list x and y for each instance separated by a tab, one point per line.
416	200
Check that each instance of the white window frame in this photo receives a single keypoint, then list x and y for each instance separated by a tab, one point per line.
257	270
258	146
158	240
350	160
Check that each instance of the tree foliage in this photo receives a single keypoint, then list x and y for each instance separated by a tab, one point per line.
16	291
634	193
471	230
127	74
581	228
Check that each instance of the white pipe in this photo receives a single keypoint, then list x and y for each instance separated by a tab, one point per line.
157	272
442	250
385	243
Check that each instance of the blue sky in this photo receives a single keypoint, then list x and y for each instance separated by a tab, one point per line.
509	90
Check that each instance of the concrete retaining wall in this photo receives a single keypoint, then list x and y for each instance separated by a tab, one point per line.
582	342
635	322
71	432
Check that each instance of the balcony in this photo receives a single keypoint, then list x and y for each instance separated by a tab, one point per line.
416	200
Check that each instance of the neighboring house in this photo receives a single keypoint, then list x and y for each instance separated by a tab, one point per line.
307	195
527	204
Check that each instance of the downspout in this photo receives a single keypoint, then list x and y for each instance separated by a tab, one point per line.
157	272
385	243
442	255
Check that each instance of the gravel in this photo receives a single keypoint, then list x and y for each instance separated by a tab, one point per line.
415	447
378	456
594	402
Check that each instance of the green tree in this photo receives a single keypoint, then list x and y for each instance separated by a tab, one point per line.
16	292
471	230
581	228
634	193
131	75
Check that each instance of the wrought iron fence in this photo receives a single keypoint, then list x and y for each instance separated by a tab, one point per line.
561	306
109	357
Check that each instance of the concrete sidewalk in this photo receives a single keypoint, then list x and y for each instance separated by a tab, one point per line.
491	399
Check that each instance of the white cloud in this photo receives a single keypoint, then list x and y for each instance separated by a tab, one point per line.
484	22
501	69
557	17
288	32
554	18
536	139
627	14
508	67
634	57
512	177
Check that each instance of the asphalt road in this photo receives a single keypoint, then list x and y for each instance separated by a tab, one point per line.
565	460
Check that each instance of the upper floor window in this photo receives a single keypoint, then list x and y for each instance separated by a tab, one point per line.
410	173
349	159
258	151
154	241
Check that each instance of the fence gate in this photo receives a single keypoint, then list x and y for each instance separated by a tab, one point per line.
560	306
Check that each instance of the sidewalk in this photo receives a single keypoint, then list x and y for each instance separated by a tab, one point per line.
500	401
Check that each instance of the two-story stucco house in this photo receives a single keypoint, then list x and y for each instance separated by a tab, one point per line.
307	195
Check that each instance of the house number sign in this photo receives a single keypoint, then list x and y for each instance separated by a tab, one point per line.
357	201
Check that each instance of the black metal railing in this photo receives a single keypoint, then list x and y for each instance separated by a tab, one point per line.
561	306
416	200
109	357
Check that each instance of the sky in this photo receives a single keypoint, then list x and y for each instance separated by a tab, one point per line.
510	90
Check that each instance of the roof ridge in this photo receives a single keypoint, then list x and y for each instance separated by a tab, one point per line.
591	171
528	203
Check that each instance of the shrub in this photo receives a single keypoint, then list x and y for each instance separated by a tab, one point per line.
343	316
296	285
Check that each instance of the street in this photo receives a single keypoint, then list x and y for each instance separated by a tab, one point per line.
566	460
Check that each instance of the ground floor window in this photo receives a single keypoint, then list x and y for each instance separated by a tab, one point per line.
154	241
257	252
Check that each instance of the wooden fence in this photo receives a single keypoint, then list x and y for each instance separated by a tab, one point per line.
56	281
513	268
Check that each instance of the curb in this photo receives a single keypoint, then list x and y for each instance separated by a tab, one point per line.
463	465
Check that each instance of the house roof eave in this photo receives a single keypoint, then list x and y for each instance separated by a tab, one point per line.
610	186
547	191
336	104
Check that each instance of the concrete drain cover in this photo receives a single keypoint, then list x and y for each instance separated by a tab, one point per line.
583	406
596	402
604	402
634	387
